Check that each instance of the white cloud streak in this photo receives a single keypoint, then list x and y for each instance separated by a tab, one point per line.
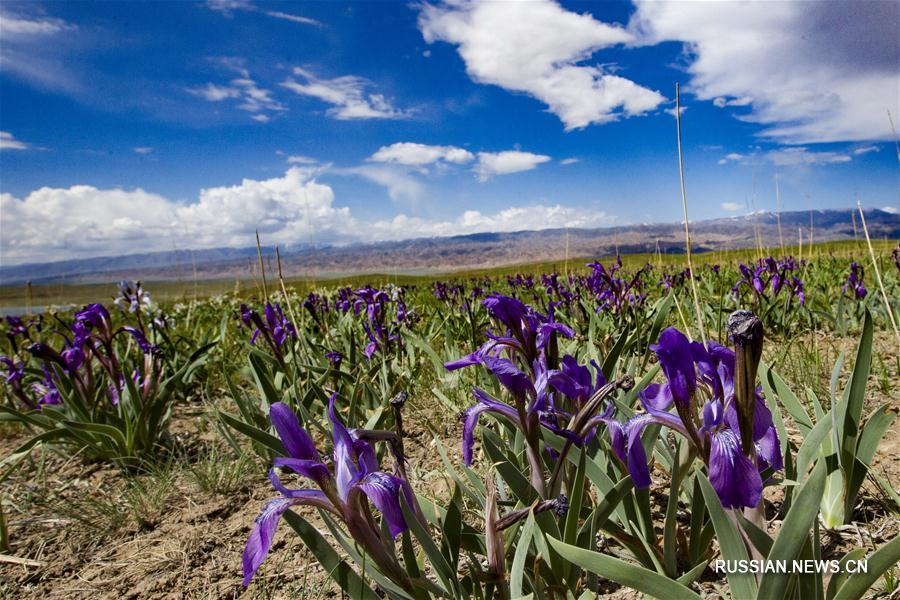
732	206
9	142
346	94
539	48
249	95
293	18
13	25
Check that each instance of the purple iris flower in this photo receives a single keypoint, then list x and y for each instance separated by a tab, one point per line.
15	372
343	489
690	367
47	391
855	281
275	328
335	358
524	373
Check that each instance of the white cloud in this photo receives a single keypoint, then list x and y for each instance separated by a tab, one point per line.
298	159
791	156
252	98
293	18
346	94
521	218
732	206
400	185
723	102
865	150
227	7
671	111
569	161
731	157
143	150
508	161
539	48
809	71
22	26
215	93
80	221
891	209
799	156
9	142
413	154
83	221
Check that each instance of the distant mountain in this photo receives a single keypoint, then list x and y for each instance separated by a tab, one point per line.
458	252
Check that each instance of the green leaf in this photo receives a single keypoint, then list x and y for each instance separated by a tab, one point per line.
855	398
266	439
788	400
883	559
838	579
794	532
517	573
743	585
758	537
811	445
627	574
340	571
443	569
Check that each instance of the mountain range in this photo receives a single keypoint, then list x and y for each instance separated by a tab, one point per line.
426	255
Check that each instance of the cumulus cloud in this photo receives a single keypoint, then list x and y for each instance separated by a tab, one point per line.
413	154
522	218
83	221
808	72
9	142
346	94
732	206
508	161
540	49
80	221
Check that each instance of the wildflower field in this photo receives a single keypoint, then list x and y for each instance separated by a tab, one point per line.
622	427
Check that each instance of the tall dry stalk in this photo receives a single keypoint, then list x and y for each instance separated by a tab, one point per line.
262	268
884	296
687	231
287	299
778	213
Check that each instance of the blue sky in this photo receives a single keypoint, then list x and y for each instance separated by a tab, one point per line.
130	127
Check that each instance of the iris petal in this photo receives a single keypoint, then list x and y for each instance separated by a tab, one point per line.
260	540
485	404
296	440
676	361
733	476
384	491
